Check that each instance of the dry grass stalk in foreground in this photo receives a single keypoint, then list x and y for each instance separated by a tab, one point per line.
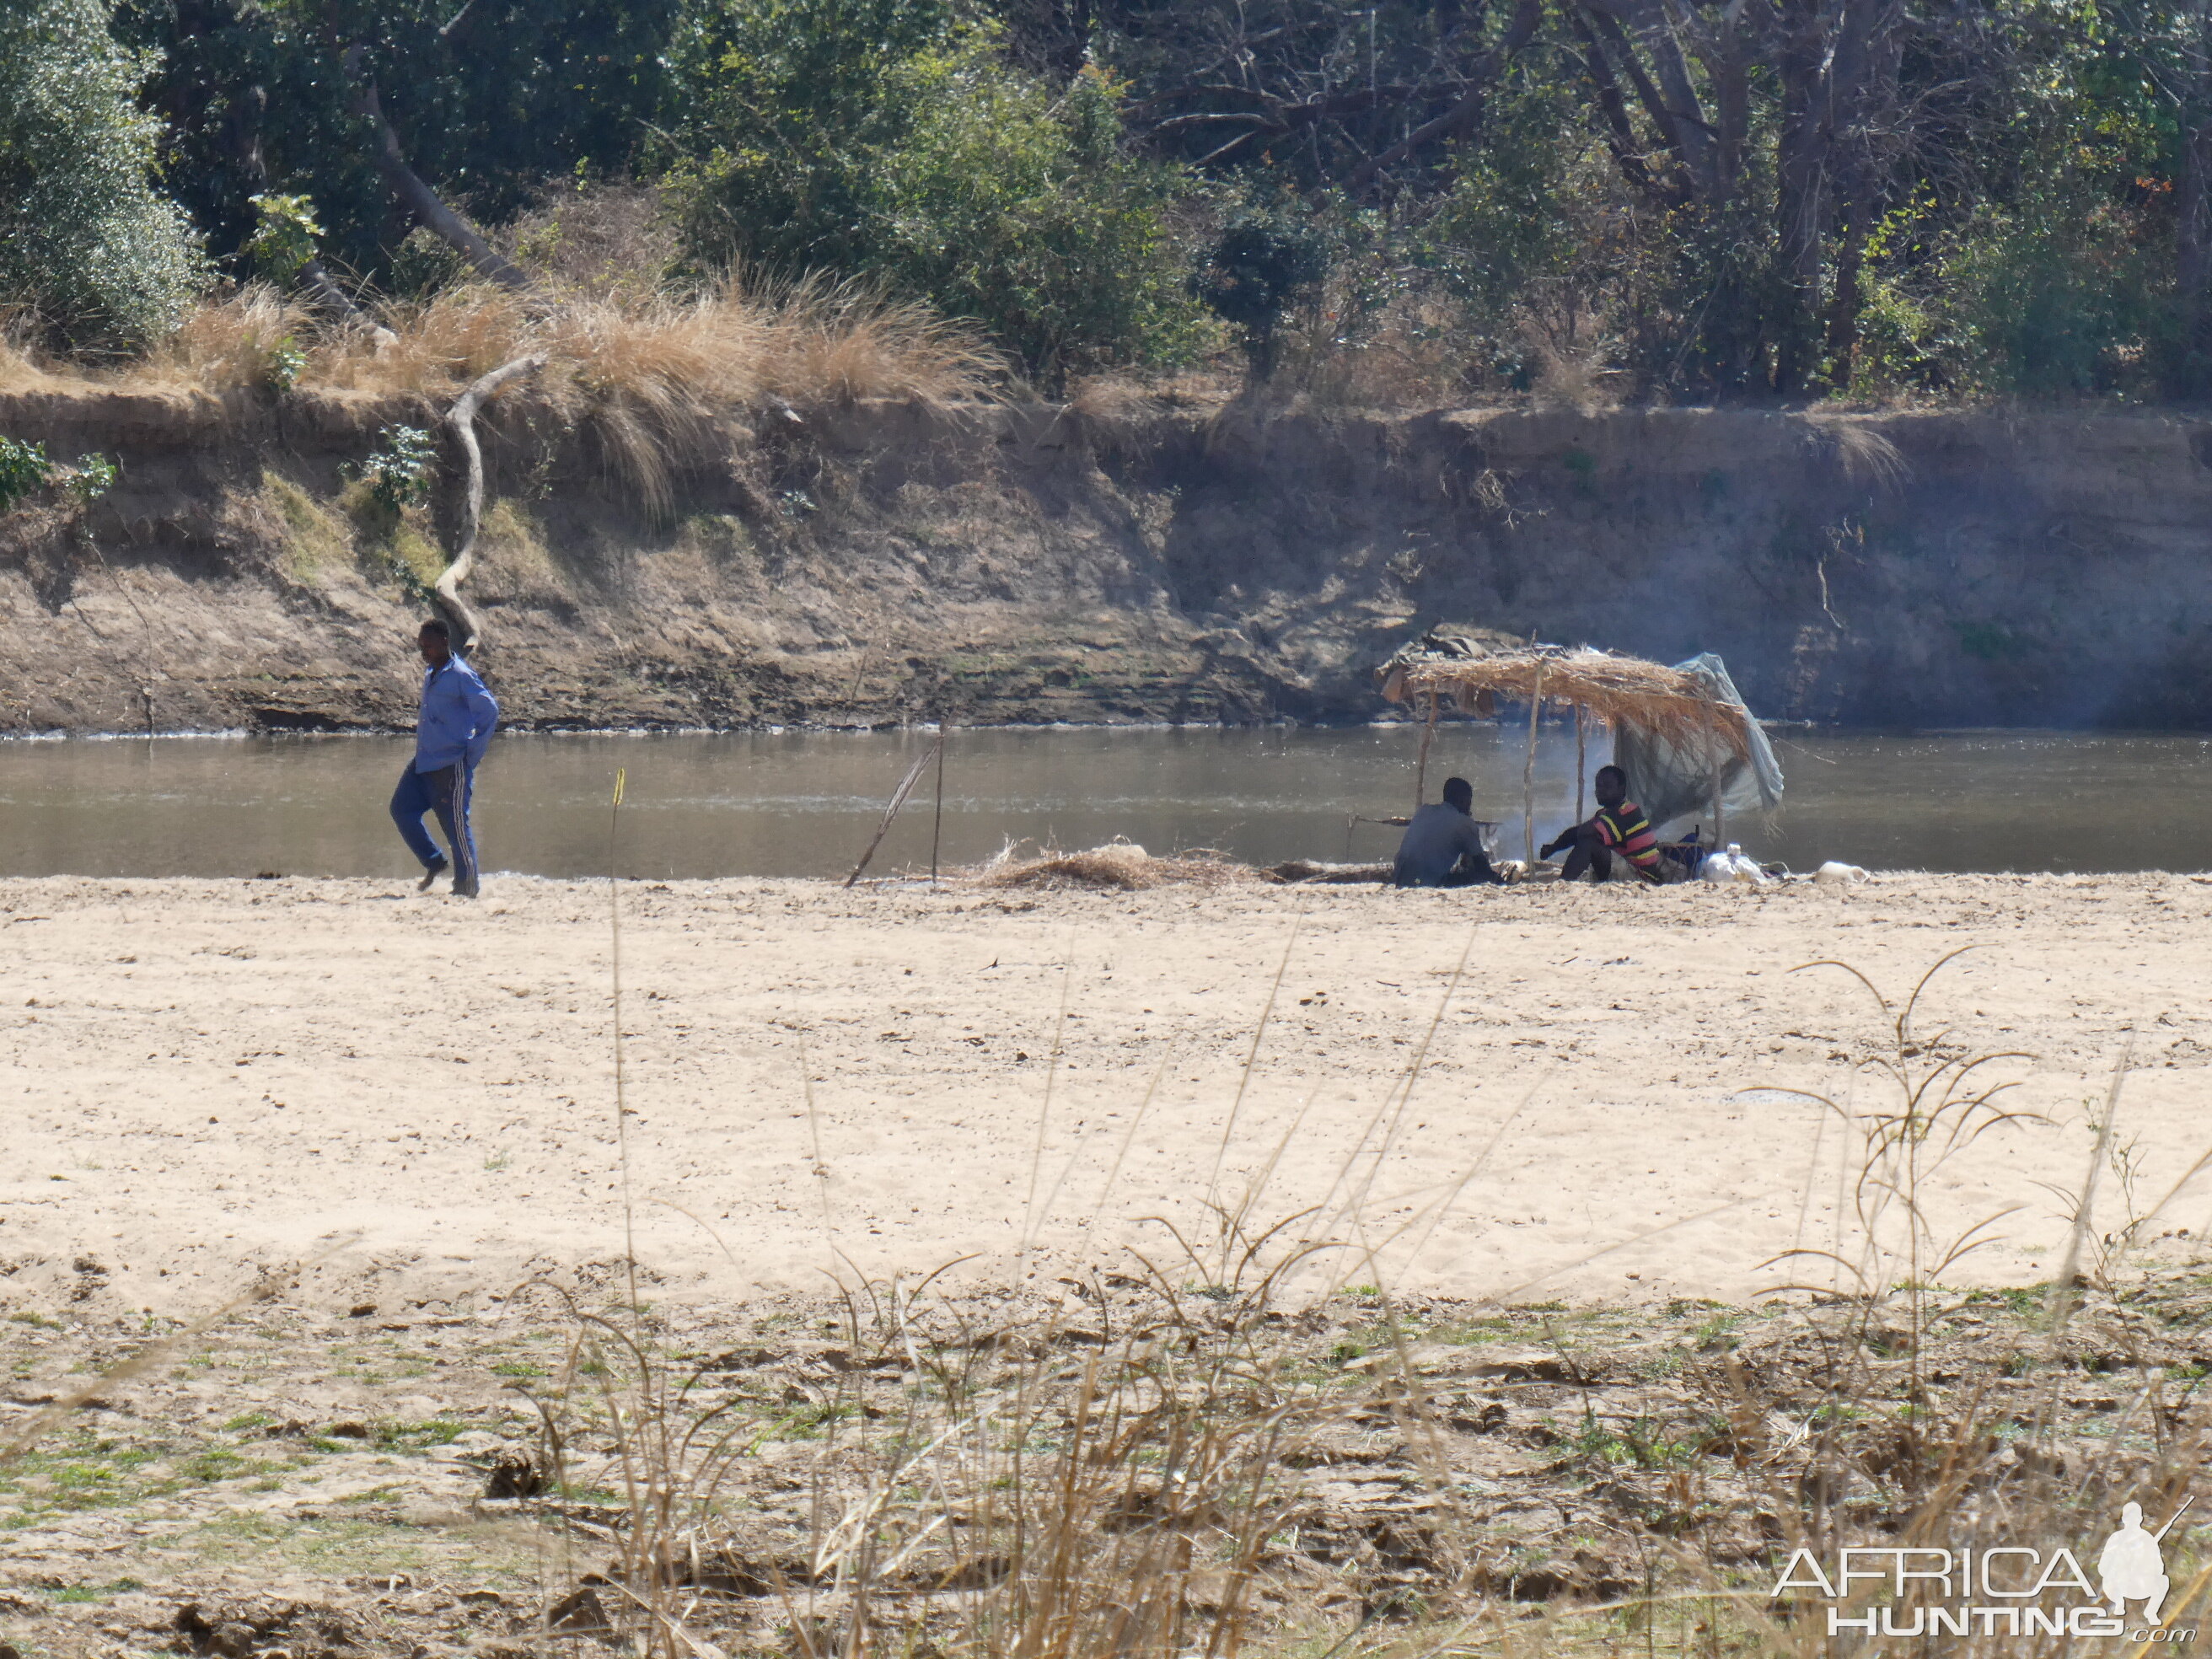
1127	1475
1115	1480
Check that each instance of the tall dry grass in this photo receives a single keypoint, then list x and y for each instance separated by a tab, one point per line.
1119	1474
981	1482
228	343
653	380
811	342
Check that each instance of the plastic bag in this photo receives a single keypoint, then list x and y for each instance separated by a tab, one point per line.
1732	867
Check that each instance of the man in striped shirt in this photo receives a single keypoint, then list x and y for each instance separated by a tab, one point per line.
1617	826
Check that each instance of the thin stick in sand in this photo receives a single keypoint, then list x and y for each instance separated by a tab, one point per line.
621	1108
898	800
1030	1220
1712	756
1581	761
937	826
1252	1055
1529	778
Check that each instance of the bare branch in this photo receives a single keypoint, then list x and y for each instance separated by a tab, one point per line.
462	418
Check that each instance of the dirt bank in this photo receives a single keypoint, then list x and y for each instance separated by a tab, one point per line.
883	563
213	1076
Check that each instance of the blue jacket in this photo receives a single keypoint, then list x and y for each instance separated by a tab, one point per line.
457	719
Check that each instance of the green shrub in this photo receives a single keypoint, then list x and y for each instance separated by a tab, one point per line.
86	242
887	139
288	361
1007	204
399	469
285	234
24	469
1268	257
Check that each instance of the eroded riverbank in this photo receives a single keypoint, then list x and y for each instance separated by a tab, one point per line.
1164	562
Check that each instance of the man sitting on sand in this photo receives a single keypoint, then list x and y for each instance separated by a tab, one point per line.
1443	844
1619	827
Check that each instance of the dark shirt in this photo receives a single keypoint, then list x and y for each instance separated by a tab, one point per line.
1433	842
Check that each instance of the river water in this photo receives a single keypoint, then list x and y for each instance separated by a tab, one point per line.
805	804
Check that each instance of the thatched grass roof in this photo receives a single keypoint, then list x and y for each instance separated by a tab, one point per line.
1665	703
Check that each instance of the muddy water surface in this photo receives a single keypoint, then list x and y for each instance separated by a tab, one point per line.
805	804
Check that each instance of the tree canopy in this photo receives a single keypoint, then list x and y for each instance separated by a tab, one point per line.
1705	198
86	244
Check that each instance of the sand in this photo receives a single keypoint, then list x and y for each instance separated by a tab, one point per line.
417	1096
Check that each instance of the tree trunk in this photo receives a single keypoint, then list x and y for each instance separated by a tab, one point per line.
2192	229
1801	191
418	198
1843	341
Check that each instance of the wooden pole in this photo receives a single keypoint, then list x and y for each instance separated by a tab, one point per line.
1712	753
1529	778
1579	763
937	828
1421	767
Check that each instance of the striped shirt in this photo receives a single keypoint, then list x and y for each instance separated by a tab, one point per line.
1624	829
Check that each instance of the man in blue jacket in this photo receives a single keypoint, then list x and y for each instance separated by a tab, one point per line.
451	736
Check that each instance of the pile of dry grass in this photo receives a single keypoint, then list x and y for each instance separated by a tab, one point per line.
1117	866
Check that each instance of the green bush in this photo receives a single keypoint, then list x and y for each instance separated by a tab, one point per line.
1010	205
887	139
24	469
285	233
85	240
399	469
1268	257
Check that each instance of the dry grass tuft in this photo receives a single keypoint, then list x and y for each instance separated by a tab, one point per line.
601	240
20	368
1863	453
837	343
653	380
1118	866
438	344
228	344
1112	1479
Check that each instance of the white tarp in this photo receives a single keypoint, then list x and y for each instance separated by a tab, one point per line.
1674	782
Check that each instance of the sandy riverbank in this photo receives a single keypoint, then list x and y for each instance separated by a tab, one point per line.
208	1077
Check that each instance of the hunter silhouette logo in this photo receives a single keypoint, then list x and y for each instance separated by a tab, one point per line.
1998	1590
2131	1566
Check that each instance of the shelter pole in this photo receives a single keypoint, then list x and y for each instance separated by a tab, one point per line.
1579	763
1528	777
1713	758
1421	767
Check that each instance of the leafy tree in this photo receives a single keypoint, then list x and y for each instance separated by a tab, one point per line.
888	139
1269	257
85	239
490	101
1008	204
